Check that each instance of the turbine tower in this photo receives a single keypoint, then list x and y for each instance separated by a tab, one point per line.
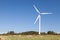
39	18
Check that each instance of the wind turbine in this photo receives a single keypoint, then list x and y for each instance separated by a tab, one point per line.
39	18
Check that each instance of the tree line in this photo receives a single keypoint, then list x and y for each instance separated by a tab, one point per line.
30	33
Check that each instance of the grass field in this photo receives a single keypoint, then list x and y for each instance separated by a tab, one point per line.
30	37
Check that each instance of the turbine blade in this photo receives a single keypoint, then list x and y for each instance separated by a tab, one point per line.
37	19
46	13
36	9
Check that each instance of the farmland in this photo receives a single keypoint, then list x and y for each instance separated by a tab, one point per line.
29	37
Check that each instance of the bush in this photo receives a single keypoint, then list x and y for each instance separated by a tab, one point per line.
29	33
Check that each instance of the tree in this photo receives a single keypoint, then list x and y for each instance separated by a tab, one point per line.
51	32
11	32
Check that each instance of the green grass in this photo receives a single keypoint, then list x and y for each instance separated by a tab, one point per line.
30	37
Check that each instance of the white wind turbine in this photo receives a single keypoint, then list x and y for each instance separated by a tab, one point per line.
39	18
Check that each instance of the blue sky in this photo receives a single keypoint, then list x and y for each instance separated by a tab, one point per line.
19	15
